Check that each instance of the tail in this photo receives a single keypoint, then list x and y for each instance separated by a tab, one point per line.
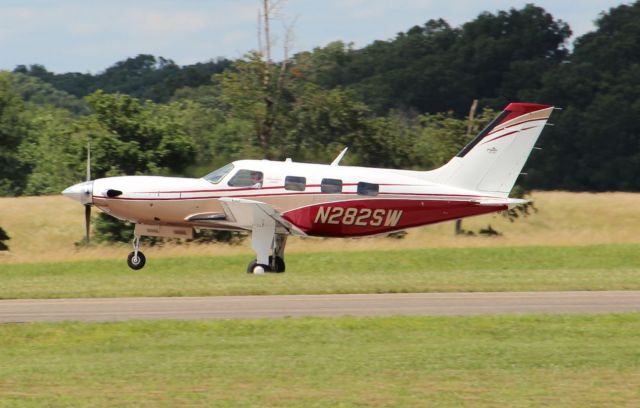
492	161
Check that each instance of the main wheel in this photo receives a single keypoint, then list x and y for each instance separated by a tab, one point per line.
279	264
256	268
136	262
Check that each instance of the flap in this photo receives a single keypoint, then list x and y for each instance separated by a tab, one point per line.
207	217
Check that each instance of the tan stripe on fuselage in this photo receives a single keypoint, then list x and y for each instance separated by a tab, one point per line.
174	212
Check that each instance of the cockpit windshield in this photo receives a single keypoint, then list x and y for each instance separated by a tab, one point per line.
215	176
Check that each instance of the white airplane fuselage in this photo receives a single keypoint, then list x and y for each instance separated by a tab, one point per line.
402	201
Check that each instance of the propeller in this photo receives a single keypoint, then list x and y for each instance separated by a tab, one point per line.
83	193
87	207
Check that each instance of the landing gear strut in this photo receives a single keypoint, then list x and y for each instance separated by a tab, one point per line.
275	262
136	259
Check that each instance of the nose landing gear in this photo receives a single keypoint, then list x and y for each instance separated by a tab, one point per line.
136	259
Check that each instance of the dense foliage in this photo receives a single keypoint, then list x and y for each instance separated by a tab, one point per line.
4	237
144	77
595	144
396	103
435	67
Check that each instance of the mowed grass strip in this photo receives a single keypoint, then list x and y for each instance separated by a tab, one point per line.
321	362
606	267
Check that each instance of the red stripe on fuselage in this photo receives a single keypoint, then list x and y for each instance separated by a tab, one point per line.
417	195
354	218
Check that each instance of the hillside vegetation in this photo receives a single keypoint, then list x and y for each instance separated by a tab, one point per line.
399	102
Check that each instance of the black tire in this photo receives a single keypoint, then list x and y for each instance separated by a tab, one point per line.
138	263
279	264
255	263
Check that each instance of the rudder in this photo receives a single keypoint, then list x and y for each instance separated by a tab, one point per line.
492	161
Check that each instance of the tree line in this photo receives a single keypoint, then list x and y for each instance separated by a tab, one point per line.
400	102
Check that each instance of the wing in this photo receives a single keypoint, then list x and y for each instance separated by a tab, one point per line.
247	213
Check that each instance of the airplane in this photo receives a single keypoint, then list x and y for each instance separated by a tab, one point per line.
275	199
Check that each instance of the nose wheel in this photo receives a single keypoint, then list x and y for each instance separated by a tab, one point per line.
136	259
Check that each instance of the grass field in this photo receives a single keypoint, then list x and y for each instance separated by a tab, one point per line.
580	361
45	229
603	267
574	242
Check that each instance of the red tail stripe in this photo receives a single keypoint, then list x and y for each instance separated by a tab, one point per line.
516	109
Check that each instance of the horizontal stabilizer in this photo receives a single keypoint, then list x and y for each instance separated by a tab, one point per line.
510	202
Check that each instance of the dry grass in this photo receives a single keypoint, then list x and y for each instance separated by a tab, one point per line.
45	229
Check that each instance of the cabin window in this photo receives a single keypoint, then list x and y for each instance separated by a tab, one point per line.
247	178
215	176
295	183
369	189
331	185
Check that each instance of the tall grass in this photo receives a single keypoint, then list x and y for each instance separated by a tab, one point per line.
45	229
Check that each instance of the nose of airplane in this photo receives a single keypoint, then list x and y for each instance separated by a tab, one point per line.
81	192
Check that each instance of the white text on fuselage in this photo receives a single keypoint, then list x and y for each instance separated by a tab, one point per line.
358	216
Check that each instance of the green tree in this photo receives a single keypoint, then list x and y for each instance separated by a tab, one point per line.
36	91
285	114
507	53
436	68
595	144
3	237
54	150
143	76
130	137
322	122
254	91
13	130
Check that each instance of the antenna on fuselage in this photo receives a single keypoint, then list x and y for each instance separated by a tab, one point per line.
336	161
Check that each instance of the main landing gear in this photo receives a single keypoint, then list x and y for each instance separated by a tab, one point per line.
270	263
136	259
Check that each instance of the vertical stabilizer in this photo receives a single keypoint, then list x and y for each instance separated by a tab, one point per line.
492	161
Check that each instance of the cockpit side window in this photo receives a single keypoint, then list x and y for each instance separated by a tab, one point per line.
368	188
215	176
331	185
295	183
247	178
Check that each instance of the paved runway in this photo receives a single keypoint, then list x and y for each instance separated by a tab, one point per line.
234	307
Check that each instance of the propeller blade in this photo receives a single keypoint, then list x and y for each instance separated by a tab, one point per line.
88	161
87	220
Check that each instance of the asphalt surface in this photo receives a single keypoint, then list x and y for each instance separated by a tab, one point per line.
236	307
